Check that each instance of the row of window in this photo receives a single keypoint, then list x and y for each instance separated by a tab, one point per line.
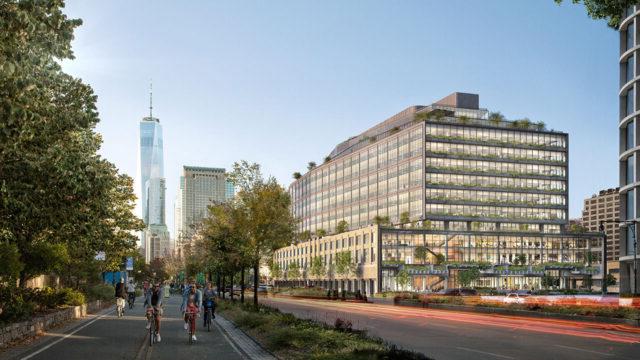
496	152
503	198
495	182
495	135
496	167
498	212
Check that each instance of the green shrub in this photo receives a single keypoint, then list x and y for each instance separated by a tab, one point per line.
14	305
249	321
101	292
70	297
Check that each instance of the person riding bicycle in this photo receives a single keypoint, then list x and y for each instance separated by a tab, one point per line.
145	290
121	295
131	291
154	302
208	301
191	302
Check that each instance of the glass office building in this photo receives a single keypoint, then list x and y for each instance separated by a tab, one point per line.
459	177
629	149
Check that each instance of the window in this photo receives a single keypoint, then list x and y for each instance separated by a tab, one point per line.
629	101
631	169
630	36
630	68
630	135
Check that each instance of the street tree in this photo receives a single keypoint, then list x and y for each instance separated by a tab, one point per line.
317	267
402	279
466	277
269	224
610	10
344	264
60	199
293	272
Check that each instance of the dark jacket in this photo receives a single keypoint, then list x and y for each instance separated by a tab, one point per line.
121	290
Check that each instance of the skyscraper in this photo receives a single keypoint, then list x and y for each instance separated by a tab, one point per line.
199	188
629	154
155	238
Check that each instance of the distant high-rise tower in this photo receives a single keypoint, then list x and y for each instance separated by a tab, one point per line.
199	188
155	239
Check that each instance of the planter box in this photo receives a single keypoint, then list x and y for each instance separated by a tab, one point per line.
39	324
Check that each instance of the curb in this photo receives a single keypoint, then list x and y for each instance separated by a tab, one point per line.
244	344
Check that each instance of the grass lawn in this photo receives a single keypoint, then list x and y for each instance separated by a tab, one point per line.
288	337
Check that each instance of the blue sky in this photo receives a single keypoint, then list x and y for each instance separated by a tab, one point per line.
281	82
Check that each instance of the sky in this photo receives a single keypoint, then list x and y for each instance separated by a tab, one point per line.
281	83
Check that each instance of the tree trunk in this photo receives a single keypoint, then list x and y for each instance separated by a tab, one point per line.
231	285
242	285
223	285
256	279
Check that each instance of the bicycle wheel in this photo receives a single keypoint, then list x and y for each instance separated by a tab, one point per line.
208	320
152	331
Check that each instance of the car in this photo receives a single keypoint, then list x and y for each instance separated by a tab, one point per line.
515	298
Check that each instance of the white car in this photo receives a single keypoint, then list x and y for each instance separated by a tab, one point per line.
515	298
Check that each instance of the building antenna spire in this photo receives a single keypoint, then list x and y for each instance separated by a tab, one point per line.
151	99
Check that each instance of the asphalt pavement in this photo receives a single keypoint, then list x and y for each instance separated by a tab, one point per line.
104	336
443	334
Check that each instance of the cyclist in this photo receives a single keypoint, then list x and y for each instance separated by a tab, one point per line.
131	290
145	290
154	301
208	296
191	302
121	294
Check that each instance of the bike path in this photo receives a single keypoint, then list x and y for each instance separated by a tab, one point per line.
105	336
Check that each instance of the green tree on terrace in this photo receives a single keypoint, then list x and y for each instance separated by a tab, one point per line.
317	267
466	277
496	118
61	202
404	218
381	220
342	226
420	253
610	10
269	223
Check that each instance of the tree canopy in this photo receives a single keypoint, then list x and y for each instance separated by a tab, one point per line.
610	10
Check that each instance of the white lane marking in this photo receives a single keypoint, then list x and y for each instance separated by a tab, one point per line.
485	353
66	336
585	350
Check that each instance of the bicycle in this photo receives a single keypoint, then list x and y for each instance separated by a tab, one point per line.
208	314
152	313
191	319
132	299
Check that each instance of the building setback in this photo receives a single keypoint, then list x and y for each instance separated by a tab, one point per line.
468	186
629	150
199	188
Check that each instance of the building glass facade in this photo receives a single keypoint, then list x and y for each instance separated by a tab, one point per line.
464	178
628	159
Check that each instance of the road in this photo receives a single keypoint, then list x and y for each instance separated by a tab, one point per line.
105	336
443	334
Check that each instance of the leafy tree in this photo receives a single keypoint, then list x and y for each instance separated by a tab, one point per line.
404	218
549	281
420	253
317	267
381	220
439	257
466	277
10	264
344	263
342	227
158	270
269	223
305	235
276	271
610	10
402	279
293	273
327	159
59	197
321	232
610	280
297	175
496	118
312	165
